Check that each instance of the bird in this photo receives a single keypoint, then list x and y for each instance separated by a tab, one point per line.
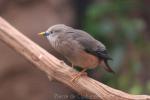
78	47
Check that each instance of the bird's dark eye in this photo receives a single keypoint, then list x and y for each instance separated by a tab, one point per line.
51	32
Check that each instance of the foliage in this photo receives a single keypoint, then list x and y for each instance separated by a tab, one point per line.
114	24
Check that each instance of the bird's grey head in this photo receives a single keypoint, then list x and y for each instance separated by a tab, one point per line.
55	30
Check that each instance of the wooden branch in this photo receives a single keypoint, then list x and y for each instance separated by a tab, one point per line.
58	69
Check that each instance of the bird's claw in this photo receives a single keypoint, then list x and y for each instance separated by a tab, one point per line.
78	75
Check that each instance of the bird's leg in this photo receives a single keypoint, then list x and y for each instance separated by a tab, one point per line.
72	65
77	76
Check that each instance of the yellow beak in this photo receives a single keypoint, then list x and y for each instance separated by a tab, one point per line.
41	34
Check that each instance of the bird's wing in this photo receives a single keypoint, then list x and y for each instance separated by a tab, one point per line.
92	46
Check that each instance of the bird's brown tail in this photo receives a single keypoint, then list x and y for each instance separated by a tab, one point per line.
107	67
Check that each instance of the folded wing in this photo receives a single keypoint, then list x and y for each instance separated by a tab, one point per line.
92	46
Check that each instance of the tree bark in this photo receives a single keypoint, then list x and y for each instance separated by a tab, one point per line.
57	69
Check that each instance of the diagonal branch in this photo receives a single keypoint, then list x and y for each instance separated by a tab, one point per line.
59	70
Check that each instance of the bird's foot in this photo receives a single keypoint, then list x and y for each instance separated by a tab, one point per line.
72	66
78	75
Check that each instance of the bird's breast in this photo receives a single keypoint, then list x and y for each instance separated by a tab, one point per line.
53	41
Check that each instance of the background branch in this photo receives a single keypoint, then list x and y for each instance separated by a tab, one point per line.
58	69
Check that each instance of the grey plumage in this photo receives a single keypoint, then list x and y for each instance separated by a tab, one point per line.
73	40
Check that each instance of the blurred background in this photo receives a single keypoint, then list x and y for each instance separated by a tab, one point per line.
122	25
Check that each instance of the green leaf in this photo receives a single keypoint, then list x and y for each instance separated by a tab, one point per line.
136	89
